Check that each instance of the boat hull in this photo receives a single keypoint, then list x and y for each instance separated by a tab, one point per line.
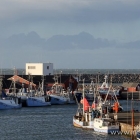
58	100
80	124
77	123
106	130
37	101
105	126
9	104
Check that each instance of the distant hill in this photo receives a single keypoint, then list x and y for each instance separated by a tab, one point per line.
82	40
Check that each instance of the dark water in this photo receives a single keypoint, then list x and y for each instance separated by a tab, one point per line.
46	123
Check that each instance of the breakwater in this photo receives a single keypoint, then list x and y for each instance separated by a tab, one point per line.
21	71
114	78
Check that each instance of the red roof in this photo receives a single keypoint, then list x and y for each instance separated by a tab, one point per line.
20	80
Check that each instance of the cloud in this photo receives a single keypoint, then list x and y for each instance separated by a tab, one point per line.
80	11
111	19
132	45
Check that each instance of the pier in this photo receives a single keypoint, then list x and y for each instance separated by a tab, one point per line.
128	122
126	117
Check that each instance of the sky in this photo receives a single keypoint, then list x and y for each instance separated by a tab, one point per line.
75	34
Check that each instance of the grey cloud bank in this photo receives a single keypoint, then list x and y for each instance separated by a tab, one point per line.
105	19
71	34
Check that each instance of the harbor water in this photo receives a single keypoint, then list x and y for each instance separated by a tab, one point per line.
46	123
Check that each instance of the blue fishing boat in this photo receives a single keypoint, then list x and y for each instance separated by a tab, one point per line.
8	102
59	95
37	101
36	97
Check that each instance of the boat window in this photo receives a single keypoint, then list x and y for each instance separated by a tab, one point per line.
105	123
31	67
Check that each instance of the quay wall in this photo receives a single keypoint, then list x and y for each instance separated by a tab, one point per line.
115	78
125	121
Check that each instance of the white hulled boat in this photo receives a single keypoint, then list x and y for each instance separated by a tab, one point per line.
96	116
103	123
83	117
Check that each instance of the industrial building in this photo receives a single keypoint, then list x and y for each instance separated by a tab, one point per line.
39	68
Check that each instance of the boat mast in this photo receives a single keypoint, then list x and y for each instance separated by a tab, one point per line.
30	88
110	92
83	95
43	84
1	78
132	133
15	73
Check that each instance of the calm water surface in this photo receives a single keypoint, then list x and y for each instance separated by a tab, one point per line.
46	123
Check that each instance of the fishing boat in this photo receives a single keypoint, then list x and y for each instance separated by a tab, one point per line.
37	97
37	101
58	95
23	88
104	88
96	116
6	102
23	94
103	123
83	117
89	94
10	103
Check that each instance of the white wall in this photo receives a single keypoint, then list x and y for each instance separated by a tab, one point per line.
39	68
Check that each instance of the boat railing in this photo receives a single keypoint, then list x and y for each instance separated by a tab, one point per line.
22	94
7	98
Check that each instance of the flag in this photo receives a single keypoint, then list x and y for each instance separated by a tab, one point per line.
86	104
